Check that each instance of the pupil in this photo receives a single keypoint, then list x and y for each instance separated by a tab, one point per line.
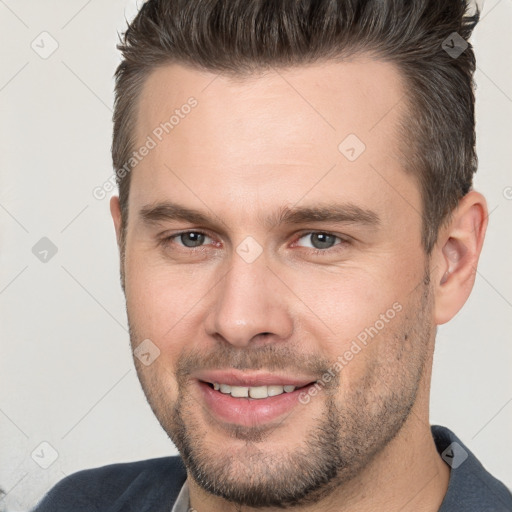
322	240
192	239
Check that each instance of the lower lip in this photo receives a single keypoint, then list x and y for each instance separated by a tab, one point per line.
249	411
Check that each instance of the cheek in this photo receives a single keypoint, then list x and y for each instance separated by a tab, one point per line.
163	304
155	308
344	304
353	318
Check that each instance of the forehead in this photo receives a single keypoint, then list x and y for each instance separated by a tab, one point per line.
333	98
279	131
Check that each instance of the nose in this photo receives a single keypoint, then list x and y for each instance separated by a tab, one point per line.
249	306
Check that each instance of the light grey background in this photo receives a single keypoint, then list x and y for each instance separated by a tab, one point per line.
66	374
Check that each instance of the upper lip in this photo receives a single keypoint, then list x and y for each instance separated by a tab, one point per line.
234	377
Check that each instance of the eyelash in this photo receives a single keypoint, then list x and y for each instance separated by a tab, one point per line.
343	241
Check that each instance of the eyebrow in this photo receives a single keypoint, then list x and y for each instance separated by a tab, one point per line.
347	213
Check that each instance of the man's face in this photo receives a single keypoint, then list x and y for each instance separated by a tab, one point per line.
246	301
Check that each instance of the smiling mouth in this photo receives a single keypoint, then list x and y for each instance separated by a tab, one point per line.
255	392
250	400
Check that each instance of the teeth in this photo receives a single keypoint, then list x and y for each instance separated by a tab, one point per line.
224	388
239	391
275	390
257	392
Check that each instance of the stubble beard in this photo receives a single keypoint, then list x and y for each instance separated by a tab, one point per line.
342	441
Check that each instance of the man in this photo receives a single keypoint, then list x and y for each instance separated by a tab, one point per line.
295	217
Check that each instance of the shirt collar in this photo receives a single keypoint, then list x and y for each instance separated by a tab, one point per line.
182	503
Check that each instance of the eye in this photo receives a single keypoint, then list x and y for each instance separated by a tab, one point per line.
320	241
189	239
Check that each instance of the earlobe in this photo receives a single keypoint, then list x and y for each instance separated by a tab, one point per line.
458	250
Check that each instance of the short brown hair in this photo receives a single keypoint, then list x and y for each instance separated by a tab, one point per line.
240	37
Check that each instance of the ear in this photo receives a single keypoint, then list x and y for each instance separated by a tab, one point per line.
115	211
456	255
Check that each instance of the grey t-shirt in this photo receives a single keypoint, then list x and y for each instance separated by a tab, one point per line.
154	485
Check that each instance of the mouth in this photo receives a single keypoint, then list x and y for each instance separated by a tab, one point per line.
254	392
250	400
